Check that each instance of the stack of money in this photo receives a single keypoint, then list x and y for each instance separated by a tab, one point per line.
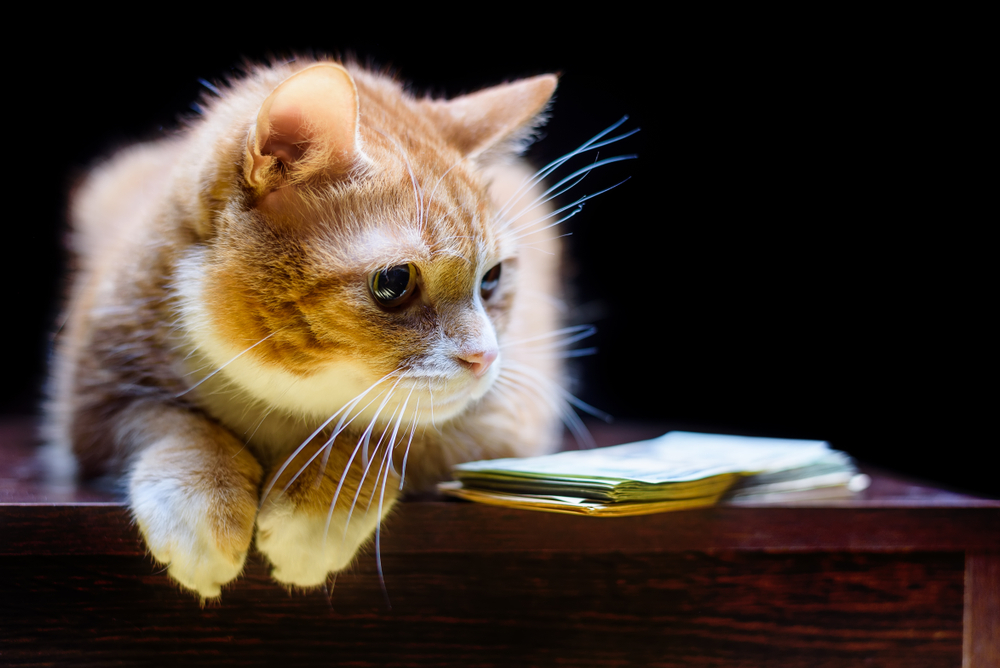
675	471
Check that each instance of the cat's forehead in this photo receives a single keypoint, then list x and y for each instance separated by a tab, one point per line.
419	222
425	242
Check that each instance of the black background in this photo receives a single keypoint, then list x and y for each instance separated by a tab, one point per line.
795	253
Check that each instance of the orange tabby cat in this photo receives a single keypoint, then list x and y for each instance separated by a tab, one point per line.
313	293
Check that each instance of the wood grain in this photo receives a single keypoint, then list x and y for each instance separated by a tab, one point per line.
982	610
466	528
903	575
677	609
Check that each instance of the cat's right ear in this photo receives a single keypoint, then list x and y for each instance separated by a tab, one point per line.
495	121
307	126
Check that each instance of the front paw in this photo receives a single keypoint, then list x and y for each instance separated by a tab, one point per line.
301	546
198	525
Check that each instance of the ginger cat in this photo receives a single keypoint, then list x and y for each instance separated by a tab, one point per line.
315	296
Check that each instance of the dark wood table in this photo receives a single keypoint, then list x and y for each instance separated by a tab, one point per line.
902	575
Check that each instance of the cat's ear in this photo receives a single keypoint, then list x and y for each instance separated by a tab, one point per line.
494	120
307	125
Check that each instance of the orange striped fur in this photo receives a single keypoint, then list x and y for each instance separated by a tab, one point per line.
224	352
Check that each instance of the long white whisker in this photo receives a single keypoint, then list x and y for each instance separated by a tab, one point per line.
538	385
266	414
306	442
567	396
378	537
328	446
392	439
357	494
386	459
538	203
560	187
578	331
431	392
181	394
558	162
368	462
413	430
364	451
578	352
343	477
502	397
551	197
550	225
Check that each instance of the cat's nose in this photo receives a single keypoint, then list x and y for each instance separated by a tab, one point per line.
479	362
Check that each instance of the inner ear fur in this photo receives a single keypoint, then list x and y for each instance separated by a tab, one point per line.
495	120
308	124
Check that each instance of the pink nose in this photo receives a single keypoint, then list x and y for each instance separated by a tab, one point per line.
479	362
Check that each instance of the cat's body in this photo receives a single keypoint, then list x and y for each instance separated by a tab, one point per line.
315	256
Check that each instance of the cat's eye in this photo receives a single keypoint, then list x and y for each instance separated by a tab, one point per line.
393	286
490	282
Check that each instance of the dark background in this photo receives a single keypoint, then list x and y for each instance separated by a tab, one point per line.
796	252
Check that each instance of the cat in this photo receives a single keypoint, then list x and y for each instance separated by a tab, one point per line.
321	293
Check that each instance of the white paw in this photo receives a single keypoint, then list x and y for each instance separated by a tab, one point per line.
302	549
182	531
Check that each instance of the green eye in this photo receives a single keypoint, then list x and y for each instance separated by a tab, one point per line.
393	286
490	282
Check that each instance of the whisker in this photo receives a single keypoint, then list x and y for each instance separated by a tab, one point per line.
386	459
431	392
578	332
357	495
558	162
181	394
546	200
538	385
413	430
577	203
267	413
349	406
550	225
578	352
364	452
340	485
329	590
328	446
501	396
210	86
378	538
368	463
566	396
392	439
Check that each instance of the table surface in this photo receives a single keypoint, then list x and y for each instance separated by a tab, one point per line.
889	577
892	514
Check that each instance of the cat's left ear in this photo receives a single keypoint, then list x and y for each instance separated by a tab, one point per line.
496	120
307	125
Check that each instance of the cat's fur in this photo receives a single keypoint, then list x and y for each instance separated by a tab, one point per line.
221	323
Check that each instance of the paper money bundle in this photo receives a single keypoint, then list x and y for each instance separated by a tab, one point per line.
675	471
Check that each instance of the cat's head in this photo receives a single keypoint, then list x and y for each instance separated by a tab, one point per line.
347	248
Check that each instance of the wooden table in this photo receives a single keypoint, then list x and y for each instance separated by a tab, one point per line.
902	575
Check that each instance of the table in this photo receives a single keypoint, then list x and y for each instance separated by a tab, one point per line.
902	575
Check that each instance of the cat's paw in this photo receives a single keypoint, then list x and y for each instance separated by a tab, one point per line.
200	527
300	546
181	535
